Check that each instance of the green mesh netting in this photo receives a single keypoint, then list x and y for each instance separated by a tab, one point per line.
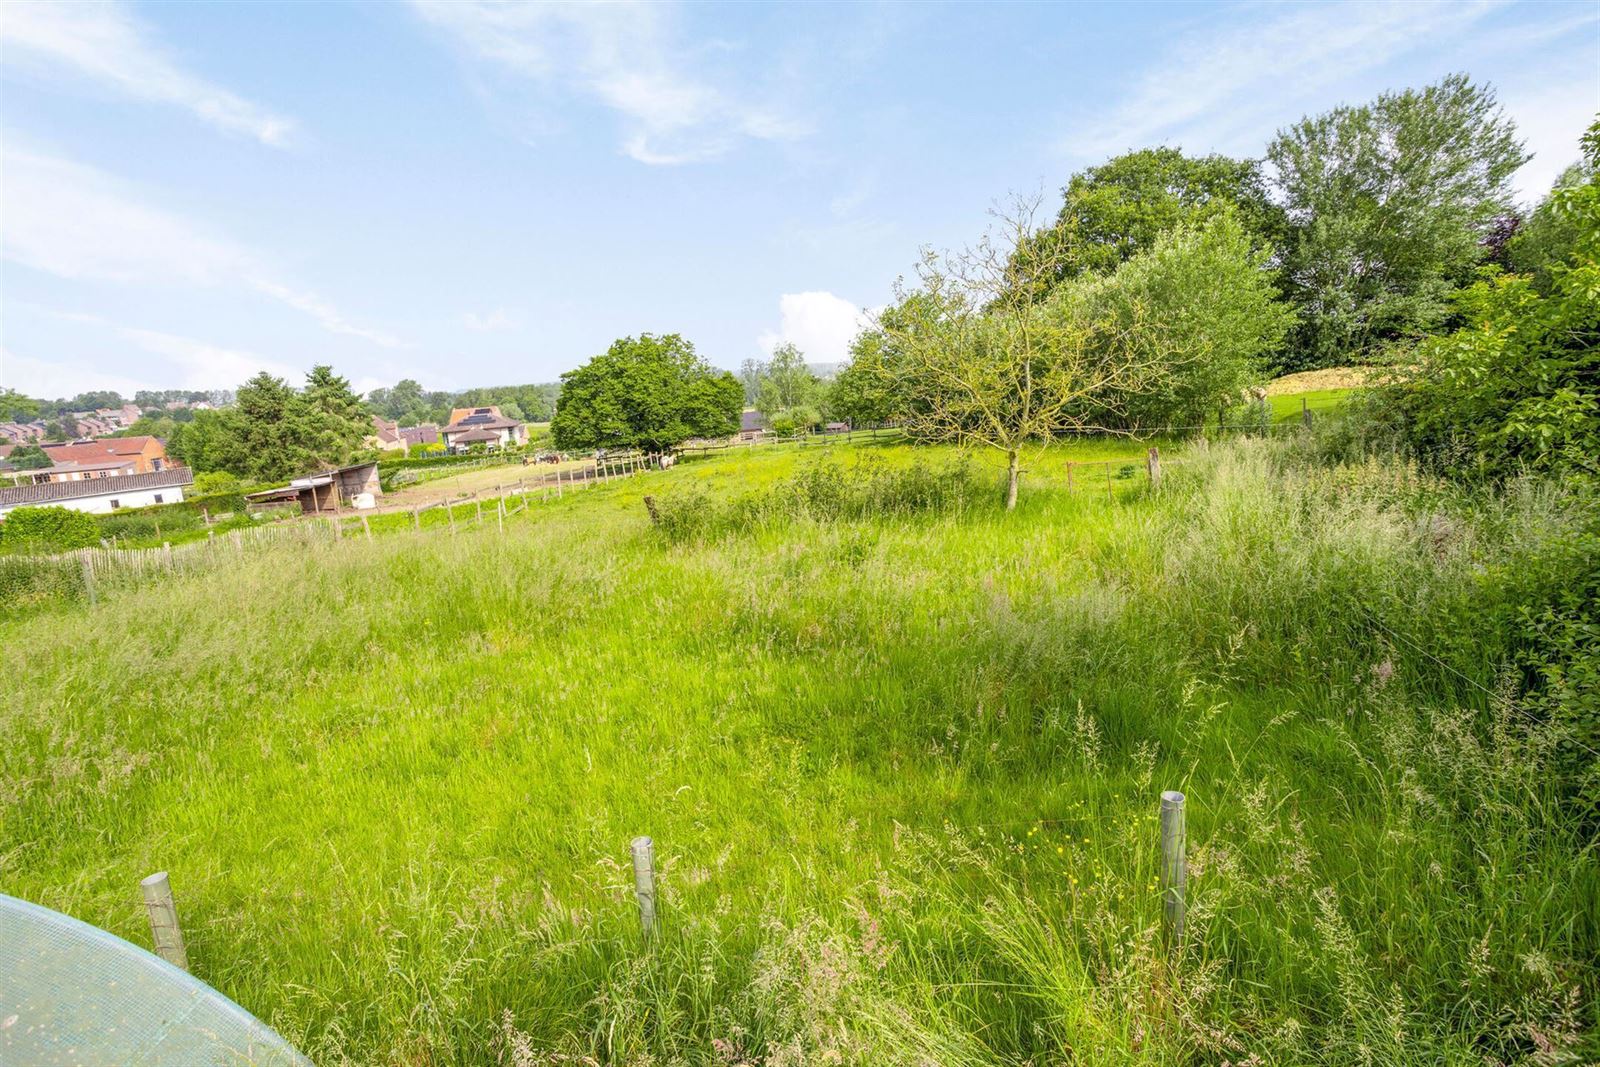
72	994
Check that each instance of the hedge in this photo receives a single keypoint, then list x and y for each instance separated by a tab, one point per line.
48	529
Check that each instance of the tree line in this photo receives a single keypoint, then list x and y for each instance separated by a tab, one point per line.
1166	287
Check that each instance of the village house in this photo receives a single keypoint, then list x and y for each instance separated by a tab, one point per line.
385	436
482	426
99	496
752	427
103	458
22	433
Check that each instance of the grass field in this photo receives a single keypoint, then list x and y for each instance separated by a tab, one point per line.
901	772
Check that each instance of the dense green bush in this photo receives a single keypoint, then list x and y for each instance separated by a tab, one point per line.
1200	309
48	529
1519	385
138	523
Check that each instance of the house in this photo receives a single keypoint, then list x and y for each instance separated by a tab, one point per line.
385	436
110	467
752	427
22	433
482	426
836	427
146	453
100	496
329	490
425	434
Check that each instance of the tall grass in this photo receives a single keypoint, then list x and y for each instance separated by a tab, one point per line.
901	771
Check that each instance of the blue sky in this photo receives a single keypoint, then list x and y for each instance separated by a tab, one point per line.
471	194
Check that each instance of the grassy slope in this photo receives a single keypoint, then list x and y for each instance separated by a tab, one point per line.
394	783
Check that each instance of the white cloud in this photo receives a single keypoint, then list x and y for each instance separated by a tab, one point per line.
325	313
105	44
182	363
75	222
201	365
56	378
72	221
623	56
1229	89
490	322
819	324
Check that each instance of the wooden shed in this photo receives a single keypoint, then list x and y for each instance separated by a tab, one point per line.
330	490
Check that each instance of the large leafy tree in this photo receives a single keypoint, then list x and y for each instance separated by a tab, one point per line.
14	407
1114	211
1388	203
1551	233
860	393
29	458
273	432
650	392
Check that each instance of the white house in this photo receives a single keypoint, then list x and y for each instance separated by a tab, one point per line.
101	495
482	426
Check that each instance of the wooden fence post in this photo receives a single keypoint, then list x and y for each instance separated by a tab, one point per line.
416	520
450	511
164	930
644	883
1152	466
366	527
478	504
1305	412
166	553
88	579
1070	465
1174	867
500	513
1110	496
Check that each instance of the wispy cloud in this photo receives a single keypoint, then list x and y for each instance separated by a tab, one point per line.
1230	88
63	377
202	365
325	313
624	56
74	222
819	324
490	322
103	43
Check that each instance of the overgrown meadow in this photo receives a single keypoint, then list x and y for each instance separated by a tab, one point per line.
900	752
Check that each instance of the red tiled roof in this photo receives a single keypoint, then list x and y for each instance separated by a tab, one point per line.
81	451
